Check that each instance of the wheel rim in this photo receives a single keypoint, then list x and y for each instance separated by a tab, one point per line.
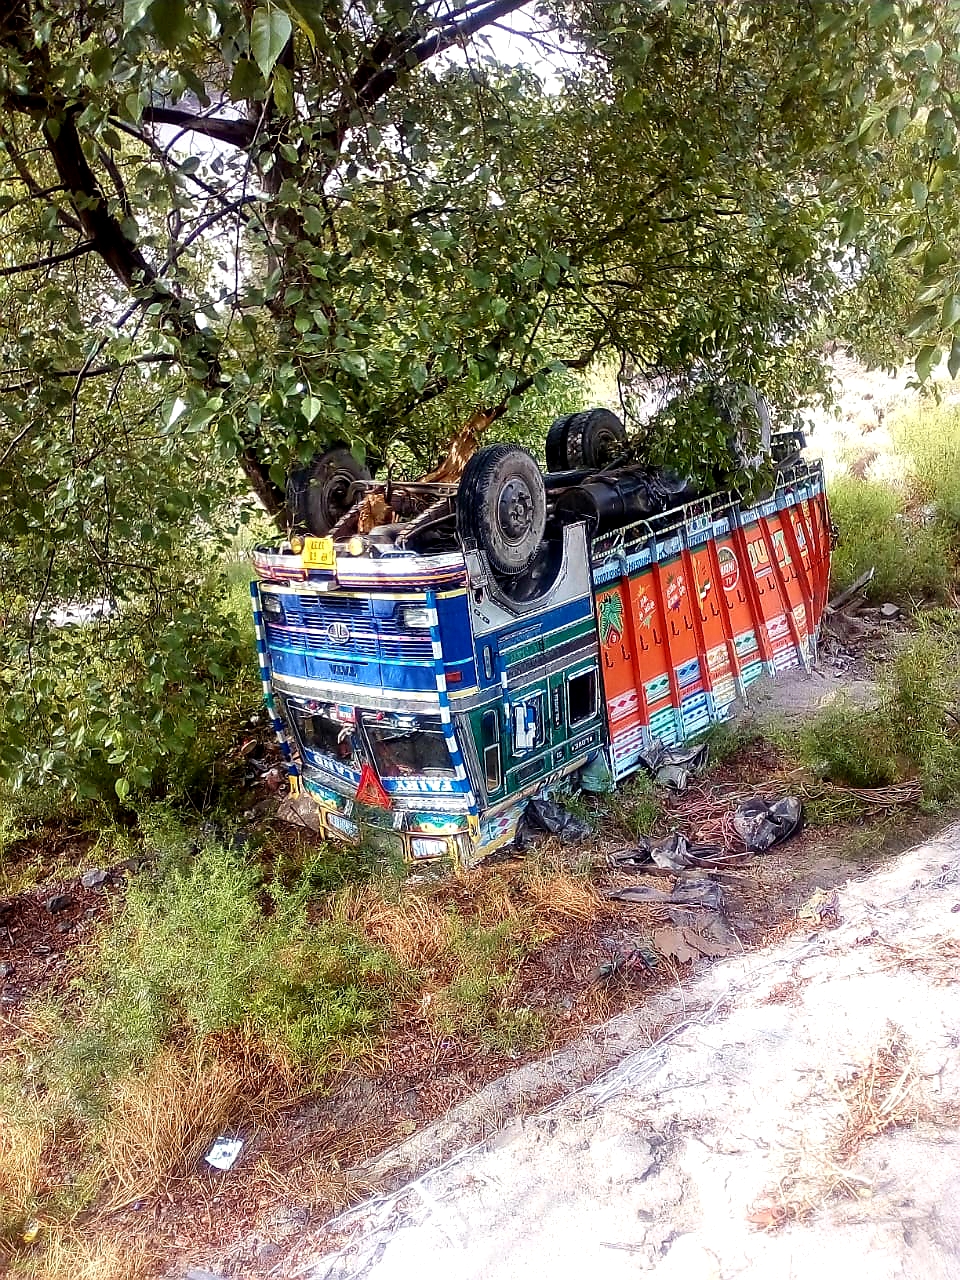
607	446
515	510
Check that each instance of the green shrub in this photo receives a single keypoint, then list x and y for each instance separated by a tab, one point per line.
852	745
911	731
207	949
910	559
144	703
930	438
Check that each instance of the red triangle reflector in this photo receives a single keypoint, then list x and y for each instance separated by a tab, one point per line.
370	789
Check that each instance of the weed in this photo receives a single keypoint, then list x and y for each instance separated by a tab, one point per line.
911	559
912	730
853	745
197	953
930	438
72	1255
635	806
160	1121
22	1140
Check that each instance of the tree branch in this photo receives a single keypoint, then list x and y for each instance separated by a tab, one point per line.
235	133
86	247
95	371
368	86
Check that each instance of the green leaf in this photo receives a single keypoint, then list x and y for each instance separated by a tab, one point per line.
122	788
898	118
270	29
918	190
310	406
951	310
851	224
925	360
881	13
170	22
135	11
921	320
953	364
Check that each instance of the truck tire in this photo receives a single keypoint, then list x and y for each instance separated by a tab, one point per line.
502	507
318	495
747	414
593	439
555	448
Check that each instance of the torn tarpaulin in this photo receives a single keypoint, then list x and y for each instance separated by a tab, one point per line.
672	766
675	853
761	823
699	892
546	817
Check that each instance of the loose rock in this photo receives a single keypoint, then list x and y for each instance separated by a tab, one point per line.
59	902
889	612
6	970
93	878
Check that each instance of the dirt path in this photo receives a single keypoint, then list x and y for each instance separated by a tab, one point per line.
798	1118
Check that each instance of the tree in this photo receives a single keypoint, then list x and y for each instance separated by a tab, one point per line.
320	222
235	233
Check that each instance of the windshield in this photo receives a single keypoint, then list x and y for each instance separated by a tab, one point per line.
319	727
403	746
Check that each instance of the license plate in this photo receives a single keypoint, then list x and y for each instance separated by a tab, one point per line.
318	553
338	823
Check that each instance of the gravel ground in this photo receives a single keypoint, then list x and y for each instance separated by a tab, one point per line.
797	1117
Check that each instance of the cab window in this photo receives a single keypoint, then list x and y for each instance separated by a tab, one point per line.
490	747
581	697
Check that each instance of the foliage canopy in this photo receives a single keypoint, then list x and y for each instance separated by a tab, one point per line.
236	232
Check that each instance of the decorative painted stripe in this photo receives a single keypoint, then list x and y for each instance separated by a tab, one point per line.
279	728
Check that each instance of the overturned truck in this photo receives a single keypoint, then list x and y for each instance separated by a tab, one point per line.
435	654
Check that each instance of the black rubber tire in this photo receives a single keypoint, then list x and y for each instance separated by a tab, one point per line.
318	494
502	507
594	439
555	448
749	447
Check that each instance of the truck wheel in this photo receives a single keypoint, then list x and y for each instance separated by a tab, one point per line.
502	506
556	444
318	495
747	414
594	439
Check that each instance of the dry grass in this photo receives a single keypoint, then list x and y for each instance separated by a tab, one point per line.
936	958
22	1143
72	1256
884	1094
160	1123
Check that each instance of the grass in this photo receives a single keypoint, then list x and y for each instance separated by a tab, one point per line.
912	731
930	437
634	806
912	558
225	985
161	1122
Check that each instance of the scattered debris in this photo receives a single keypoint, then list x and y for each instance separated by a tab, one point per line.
761	823
684	944
673	766
675	853
849	594
822	908
595	777
59	902
638	959
698	892
224	1153
546	817
94	878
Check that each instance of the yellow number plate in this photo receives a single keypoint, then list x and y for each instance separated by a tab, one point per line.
318	553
